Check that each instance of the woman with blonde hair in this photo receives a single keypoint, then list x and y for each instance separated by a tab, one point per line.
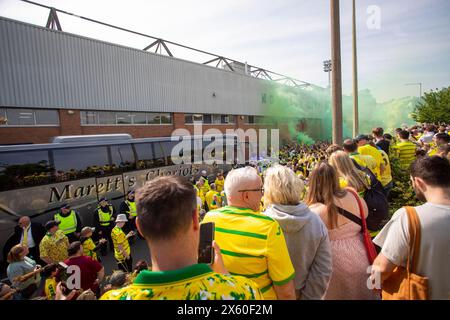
350	262
349	175
305	234
19	265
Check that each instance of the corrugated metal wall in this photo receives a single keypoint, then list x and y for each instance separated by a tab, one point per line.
45	68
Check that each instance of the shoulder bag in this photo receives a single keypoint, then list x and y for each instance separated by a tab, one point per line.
404	283
368	244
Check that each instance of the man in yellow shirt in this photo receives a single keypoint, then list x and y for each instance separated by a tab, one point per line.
122	251
252	244
365	148
168	220
54	245
219	181
365	161
200	187
205	186
405	150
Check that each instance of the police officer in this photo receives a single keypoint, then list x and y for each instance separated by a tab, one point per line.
104	216
128	208
70	222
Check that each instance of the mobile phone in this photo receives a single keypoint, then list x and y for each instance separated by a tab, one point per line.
205	248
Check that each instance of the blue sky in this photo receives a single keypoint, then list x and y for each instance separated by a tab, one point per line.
291	37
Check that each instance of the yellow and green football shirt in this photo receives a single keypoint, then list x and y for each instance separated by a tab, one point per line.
196	282
211	199
368	150
406	152
89	249
119	238
253	246
219	184
50	288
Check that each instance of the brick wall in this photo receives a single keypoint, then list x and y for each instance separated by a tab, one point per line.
14	135
70	125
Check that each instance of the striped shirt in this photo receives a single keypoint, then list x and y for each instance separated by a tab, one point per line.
253	246
119	238
406	151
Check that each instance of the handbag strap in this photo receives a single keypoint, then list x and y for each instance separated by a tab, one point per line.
361	210
350	216
414	239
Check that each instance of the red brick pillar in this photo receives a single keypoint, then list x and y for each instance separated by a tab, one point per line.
70	123
240	122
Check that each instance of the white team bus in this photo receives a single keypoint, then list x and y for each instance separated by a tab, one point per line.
36	179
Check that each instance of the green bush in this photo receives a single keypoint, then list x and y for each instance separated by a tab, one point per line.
402	193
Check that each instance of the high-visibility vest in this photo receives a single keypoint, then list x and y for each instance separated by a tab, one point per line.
104	217
68	224
132	208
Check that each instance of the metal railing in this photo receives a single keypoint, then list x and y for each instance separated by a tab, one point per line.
158	44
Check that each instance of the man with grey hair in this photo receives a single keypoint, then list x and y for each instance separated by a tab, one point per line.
29	234
252	244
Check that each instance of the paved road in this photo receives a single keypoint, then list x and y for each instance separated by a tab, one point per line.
139	251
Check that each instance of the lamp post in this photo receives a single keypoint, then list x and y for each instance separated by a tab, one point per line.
416	84
328	68
336	96
355	76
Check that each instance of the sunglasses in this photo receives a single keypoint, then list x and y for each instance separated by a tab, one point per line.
247	190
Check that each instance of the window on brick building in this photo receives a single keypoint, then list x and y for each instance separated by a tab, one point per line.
249	119
124	118
209	118
105	117
153	118
28	117
166	118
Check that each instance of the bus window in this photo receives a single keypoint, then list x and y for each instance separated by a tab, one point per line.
24	169
210	154
76	163
145	155
167	148
122	157
160	161
197	151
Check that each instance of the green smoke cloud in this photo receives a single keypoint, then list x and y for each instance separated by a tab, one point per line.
308	110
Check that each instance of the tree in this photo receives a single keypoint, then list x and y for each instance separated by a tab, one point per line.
434	107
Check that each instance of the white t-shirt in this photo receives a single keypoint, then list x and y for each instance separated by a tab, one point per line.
434	256
427	137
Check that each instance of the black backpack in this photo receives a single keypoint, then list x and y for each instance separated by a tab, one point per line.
376	201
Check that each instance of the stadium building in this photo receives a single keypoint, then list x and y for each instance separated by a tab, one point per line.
55	83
